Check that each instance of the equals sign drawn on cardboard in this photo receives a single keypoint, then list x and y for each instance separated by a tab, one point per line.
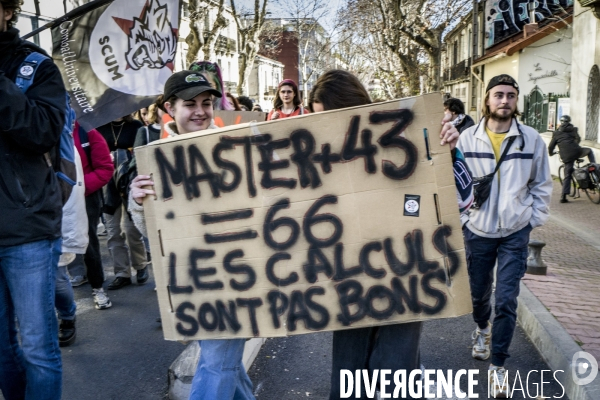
215	218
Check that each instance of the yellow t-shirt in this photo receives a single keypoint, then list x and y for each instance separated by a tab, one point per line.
496	139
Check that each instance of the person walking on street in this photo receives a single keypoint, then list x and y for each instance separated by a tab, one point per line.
98	169
74	241
514	159
567	139
395	346
152	131
30	233
454	112
220	373
126	250
287	102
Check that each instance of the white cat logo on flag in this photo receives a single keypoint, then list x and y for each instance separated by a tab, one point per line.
132	48
152	41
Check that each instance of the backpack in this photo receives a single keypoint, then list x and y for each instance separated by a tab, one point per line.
64	158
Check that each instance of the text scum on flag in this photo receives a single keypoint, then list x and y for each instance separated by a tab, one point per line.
116	58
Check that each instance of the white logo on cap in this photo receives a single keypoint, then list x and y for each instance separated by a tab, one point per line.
194	78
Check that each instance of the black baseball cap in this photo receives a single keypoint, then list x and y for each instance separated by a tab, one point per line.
188	84
503	79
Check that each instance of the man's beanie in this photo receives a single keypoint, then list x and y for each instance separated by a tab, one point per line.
503	79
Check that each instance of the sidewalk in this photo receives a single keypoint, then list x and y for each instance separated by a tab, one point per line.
571	289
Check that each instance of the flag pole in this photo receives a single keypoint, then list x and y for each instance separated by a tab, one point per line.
77	12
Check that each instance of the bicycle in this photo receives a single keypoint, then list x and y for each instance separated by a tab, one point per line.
592	192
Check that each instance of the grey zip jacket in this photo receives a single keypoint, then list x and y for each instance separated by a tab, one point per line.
520	192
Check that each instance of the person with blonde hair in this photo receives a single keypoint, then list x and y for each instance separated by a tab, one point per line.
151	132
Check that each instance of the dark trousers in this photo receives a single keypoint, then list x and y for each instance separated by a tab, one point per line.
585	151
391	347
511	253
92	260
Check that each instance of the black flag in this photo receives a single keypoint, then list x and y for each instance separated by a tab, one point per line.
116	58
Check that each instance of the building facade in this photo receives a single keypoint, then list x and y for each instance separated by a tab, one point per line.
302	50
264	78
585	79
533	45
33	16
456	61
226	47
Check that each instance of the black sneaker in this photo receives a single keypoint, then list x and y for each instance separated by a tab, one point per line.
142	275
118	283
66	332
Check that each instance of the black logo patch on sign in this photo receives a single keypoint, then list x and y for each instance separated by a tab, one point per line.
412	204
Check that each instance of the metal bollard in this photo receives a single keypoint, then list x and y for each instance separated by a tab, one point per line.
535	264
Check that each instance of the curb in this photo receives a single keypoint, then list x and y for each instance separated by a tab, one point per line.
182	370
554	343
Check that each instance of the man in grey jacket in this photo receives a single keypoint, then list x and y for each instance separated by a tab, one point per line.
499	229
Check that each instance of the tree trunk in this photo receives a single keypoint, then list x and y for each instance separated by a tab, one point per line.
243	63
194	43
195	39
435	60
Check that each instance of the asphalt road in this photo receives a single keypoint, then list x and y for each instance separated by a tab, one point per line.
120	353
300	366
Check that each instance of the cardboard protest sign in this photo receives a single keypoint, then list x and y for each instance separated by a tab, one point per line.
326	221
228	118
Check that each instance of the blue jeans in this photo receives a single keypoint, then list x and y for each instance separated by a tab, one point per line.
32	370
65	302
511	253
391	347
221	374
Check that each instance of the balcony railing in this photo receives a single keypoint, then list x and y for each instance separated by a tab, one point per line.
223	43
458	71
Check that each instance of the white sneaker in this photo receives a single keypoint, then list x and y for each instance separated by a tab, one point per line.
78	280
481	343
498	386
101	299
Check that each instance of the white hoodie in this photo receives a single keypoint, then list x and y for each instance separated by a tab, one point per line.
75	221
520	193
136	210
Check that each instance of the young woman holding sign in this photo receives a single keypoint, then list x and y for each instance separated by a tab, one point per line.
220	373
392	347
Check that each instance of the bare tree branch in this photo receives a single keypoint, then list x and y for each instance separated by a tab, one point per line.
249	31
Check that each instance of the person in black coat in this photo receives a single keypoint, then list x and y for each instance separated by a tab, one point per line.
30	228
567	138
454	111
126	250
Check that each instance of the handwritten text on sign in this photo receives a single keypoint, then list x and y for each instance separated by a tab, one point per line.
323	222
